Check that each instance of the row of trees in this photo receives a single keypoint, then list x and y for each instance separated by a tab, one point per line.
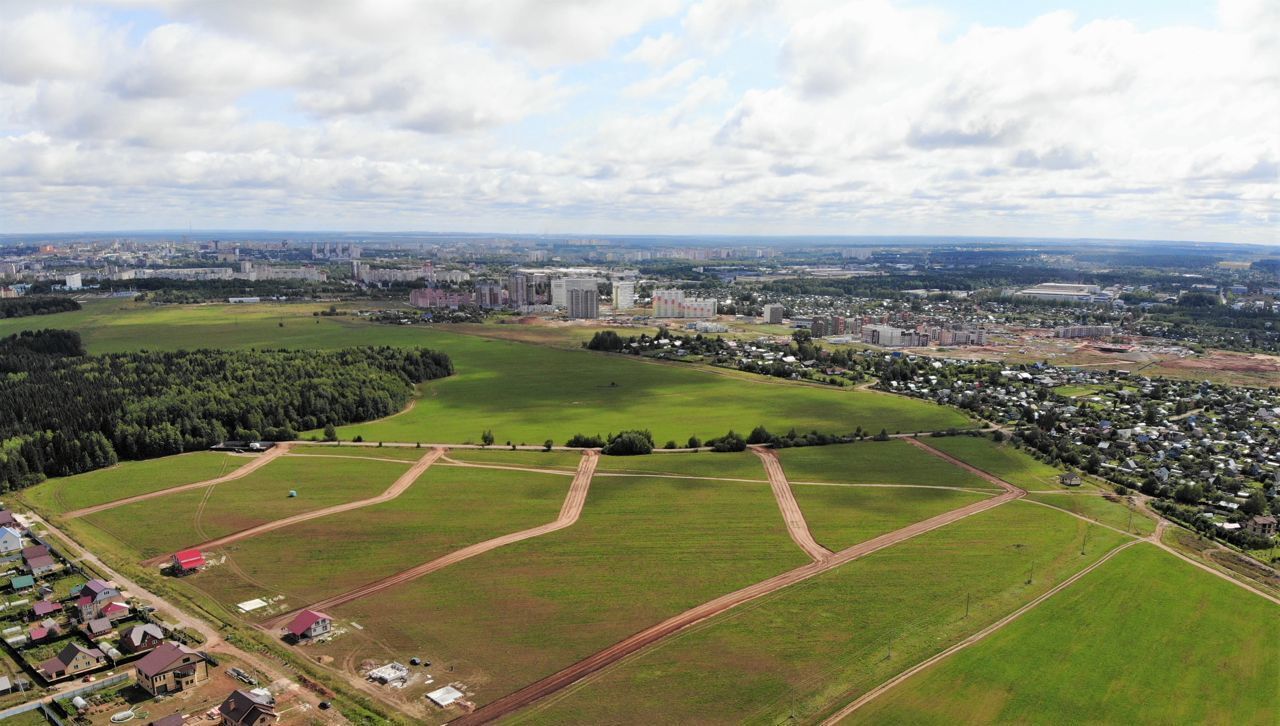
21	307
64	412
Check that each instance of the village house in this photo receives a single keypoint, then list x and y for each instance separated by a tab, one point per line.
100	599
97	627
47	629
10	543
41	564
8	520
21	583
186	562
1070	479
309	624
1261	525
141	638
45	608
171	667
72	659
243	708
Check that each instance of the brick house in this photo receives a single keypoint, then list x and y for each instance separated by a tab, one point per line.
170	668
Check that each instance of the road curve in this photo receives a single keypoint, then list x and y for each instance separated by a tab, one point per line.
533	692
879	690
569	513
258	462
797	527
397	488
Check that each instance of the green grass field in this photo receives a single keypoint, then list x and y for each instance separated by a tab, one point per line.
168	523
1095	506
1073	391
1145	639
128	479
398	453
878	462
1003	460
643	550
803	651
842	516
728	465
559	460
446	509
524	393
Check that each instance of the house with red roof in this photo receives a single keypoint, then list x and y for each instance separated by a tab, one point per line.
45	608
41	564
187	561
46	630
96	595
309	624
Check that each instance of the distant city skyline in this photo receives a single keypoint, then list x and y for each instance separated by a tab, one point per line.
1143	120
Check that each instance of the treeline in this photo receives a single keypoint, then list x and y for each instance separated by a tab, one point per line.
21	307
64	412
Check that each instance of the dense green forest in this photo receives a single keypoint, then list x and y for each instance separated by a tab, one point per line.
21	307
64	412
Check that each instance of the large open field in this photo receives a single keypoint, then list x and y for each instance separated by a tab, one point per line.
840	516
524	393
1108	509
883	462
808	649
644	549
168	523
446	509
1144	639
129	478
1003	460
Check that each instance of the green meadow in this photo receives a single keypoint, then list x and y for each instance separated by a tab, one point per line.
1003	460
643	550
446	509
523	393
497	456
1144	639
876	462
168	523
806	650
841	516
1096	506
128	479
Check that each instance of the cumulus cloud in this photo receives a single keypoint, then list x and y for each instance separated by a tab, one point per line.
863	116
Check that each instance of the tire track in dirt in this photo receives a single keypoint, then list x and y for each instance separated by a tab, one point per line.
797	527
538	690
397	488
569	513
260	461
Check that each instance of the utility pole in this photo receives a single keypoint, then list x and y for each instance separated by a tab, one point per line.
967	597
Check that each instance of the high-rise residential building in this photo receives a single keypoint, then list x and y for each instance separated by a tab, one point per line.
74	281
773	313
489	294
624	295
518	293
584	303
674	304
561	286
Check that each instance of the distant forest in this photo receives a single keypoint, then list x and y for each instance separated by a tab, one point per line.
64	412
21	307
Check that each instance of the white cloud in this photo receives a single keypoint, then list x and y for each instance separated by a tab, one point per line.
877	118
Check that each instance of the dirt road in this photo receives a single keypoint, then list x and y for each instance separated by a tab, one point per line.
397	488
797	527
569	514
551	684
258	462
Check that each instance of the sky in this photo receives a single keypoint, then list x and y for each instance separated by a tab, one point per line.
1141	120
